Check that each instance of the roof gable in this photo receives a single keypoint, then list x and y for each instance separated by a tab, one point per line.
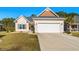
21	17
48	12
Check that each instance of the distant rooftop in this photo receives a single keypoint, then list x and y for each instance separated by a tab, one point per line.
76	19
1	24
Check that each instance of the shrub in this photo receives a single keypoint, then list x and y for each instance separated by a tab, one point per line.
68	32
75	34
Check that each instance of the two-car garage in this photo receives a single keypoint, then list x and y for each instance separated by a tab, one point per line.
49	26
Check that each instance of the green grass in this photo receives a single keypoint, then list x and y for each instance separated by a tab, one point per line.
75	34
19	42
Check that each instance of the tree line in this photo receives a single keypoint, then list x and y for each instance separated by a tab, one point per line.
8	24
69	17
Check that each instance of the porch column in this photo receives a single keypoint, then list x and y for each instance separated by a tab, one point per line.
77	28
70	27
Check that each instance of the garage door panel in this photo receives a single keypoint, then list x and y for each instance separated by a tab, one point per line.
48	28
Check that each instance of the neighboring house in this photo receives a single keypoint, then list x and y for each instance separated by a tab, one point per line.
46	22
22	24
1	27
75	25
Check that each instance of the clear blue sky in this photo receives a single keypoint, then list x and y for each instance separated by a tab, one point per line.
28	11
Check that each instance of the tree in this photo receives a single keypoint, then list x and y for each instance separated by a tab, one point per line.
62	14
33	15
69	18
8	24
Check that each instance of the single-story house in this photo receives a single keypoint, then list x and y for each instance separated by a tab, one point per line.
46	22
75	25
22	24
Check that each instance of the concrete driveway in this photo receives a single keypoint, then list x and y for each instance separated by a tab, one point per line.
58	42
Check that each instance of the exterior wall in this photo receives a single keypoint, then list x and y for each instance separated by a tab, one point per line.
75	27
22	20
49	21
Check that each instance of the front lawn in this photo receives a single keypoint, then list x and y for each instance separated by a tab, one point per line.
19	42
75	34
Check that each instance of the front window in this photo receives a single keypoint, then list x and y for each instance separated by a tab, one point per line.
21	26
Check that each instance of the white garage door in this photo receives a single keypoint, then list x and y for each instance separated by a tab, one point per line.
48	28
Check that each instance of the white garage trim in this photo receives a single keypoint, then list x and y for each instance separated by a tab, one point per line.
58	19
